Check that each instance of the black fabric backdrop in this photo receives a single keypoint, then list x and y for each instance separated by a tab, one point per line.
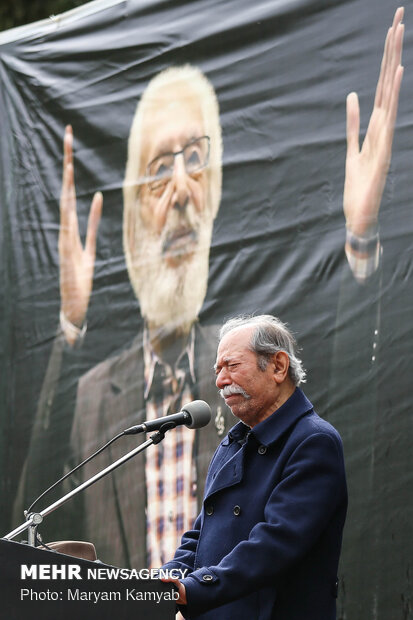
281	71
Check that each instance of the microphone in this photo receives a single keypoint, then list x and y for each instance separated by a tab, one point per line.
194	415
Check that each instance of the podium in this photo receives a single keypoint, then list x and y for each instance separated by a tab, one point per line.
48	585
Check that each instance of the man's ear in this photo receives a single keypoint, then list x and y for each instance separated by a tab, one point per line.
281	363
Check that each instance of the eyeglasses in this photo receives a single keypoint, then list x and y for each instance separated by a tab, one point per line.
196	157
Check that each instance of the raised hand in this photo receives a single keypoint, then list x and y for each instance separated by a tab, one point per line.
366	169
76	263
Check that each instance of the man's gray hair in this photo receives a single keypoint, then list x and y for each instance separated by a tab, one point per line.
269	336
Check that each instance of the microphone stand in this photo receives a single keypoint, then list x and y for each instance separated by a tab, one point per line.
33	519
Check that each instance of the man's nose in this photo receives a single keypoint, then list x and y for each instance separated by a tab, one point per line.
180	179
222	379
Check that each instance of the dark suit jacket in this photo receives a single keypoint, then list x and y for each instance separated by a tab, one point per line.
111	398
267	542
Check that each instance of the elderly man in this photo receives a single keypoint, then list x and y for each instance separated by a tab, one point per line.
267	541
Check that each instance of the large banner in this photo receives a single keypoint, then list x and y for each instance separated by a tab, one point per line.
168	165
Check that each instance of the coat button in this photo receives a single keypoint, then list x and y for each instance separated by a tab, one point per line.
207	578
237	510
209	510
262	449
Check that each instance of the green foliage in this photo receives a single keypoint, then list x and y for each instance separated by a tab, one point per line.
18	12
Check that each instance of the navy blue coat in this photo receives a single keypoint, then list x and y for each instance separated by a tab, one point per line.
267	542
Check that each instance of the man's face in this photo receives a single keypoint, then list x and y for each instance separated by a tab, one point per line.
171	249
173	204
255	392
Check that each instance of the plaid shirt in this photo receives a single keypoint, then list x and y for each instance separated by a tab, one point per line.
170	468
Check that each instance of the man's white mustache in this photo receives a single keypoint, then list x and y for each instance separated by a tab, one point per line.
177	235
234	388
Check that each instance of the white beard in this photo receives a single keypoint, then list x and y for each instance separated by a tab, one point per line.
171	297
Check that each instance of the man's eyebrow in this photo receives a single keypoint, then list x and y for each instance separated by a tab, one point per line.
164	146
226	360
